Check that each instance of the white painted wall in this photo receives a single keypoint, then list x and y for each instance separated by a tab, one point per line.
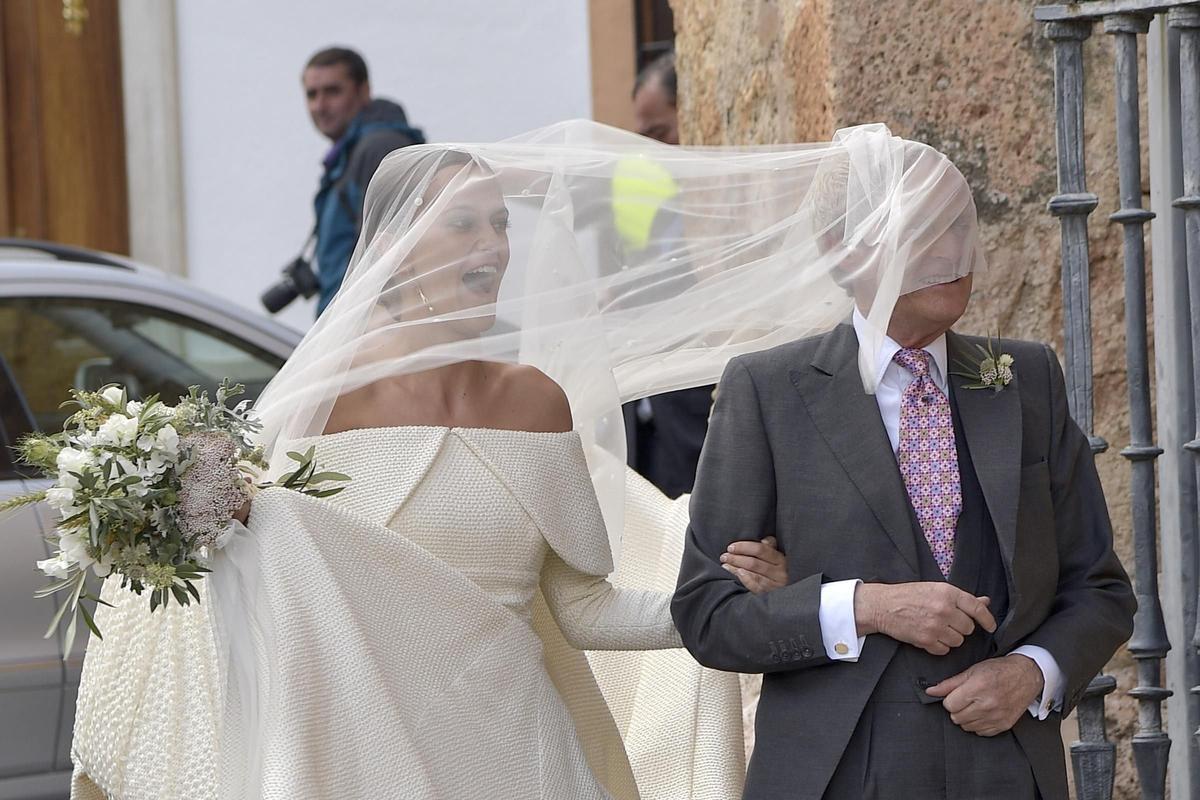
464	70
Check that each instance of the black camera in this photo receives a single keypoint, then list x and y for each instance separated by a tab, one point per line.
298	280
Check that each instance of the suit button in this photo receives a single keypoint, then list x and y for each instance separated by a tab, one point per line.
806	652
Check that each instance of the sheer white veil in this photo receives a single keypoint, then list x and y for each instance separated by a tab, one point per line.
617	266
621	267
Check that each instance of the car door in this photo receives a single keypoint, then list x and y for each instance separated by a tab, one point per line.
31	666
52	344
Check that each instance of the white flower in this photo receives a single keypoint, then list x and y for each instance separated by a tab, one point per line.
73	548
166	441
62	499
56	567
154	466
125	466
118	431
113	394
133	408
86	439
102	567
71	461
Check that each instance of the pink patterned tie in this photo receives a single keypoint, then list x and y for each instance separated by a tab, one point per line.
928	458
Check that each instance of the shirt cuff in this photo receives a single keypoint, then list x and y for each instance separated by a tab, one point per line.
1053	689
836	615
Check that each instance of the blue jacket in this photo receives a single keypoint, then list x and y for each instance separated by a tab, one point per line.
378	129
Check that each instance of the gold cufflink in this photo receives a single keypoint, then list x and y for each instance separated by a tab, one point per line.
841	648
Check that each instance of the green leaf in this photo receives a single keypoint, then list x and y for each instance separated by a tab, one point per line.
192	590
58	615
91	623
321	477
180	596
301	476
322	492
69	639
96	599
53	588
76	582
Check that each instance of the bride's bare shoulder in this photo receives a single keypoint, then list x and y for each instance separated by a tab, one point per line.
537	402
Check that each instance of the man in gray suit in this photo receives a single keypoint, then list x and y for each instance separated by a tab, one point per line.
952	584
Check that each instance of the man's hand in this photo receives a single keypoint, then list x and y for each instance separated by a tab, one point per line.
757	564
989	697
933	616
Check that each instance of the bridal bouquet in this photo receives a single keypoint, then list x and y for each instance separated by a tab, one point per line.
147	491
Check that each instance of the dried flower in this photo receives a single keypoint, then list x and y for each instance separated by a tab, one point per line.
995	370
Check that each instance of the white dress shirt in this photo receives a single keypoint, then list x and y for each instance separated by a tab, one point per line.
838	631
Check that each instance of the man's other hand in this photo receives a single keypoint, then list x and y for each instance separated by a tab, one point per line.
989	697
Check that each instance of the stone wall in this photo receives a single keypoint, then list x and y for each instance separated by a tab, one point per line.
975	80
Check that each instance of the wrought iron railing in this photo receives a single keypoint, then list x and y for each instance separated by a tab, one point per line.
1067	26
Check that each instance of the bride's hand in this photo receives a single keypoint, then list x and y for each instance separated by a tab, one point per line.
243	513
757	564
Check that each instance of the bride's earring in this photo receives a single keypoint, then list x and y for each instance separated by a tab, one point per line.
425	300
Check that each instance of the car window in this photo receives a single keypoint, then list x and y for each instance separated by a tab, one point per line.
52	344
15	422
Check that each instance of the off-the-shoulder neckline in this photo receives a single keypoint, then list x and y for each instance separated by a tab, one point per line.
448	428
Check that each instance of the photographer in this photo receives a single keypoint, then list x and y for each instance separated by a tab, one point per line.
363	130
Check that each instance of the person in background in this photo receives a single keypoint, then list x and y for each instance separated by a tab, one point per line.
655	92
363	130
664	433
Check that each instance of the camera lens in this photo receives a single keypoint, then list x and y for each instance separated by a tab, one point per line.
298	279
279	295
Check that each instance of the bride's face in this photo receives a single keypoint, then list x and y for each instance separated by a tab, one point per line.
461	257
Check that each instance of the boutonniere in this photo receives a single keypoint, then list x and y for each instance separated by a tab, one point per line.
994	371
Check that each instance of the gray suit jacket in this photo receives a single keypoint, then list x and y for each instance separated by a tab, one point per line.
797	449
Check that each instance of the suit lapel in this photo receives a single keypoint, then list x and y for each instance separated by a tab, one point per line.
848	419
991	422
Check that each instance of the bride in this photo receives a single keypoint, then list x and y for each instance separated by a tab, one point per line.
483	612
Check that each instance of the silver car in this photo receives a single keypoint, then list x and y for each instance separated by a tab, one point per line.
73	317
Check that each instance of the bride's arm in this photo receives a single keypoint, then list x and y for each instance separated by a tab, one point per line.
595	615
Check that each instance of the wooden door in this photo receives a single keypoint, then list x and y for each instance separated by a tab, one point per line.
62	133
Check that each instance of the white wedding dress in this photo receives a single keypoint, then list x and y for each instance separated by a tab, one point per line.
425	640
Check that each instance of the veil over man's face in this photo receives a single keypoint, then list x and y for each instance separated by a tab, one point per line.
929	220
